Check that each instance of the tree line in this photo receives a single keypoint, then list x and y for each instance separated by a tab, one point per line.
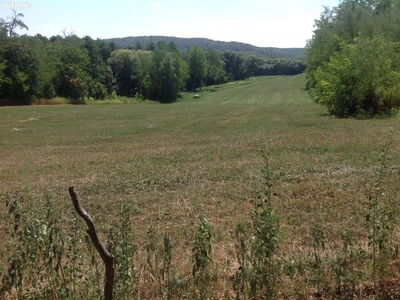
37	67
353	58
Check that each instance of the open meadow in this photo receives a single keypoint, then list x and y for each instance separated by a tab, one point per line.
175	164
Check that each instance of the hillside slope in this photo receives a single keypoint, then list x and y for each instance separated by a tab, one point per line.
184	44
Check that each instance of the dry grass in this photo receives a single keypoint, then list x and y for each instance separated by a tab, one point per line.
201	158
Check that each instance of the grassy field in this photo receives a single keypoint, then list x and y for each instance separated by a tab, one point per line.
196	158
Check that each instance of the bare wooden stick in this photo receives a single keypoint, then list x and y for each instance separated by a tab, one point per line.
106	256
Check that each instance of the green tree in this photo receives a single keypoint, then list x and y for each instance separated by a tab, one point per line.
215	72
321	46
361	78
3	29
47	59
3	40
197	63
254	65
19	68
149	45
97	69
168	74
138	46
105	50
169	88
71	80
125	66
172	46
235	66
352	61
143	75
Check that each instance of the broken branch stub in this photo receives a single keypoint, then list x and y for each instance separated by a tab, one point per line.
106	256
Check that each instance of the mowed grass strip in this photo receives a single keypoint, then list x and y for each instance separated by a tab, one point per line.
199	158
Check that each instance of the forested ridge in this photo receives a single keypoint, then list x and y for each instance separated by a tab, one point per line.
78	69
353	59
184	44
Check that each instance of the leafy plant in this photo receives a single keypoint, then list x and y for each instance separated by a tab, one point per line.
159	259
258	273
380	219
202	259
121	244
241	283
344	263
318	244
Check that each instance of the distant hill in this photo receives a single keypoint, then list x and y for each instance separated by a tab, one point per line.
184	44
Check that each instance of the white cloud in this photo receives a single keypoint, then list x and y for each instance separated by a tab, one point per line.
157	4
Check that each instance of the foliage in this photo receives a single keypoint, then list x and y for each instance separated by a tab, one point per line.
266	240
202	258
71	80
159	250
234	65
47	58
122	245
258	271
380	220
19	77
125	65
168	73
37	267
83	69
143	74
216	68
352	61
197	64
361	77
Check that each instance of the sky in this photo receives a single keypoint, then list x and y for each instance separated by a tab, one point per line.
263	23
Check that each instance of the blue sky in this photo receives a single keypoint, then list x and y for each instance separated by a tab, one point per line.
264	23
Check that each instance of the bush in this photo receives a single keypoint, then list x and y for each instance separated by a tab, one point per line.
360	79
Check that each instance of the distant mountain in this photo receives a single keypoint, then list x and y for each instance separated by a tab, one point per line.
184	44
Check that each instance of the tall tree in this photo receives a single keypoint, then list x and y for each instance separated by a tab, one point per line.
15	22
125	66
234	65
197	63
169	88
215	72
143	74
47	58
97	69
19	73
254	65
168	73
353	58
71	80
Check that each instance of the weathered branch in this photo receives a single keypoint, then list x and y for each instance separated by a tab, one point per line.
106	256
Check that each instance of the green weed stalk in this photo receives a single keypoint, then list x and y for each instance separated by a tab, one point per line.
380	220
202	260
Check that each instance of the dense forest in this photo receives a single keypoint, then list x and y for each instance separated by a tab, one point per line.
37	67
184	44
353	59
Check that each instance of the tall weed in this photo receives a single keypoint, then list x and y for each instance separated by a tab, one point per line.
259	265
202	260
381	220
121	244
